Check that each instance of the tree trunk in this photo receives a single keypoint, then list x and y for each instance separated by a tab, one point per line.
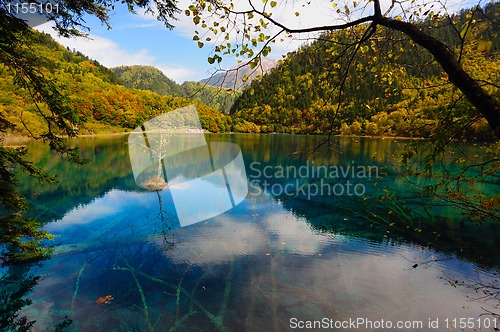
482	101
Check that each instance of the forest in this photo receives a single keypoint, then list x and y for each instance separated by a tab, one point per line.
101	102
83	244
153	79
392	87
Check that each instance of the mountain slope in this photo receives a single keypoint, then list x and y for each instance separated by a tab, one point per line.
147	78
392	87
238	77
219	98
153	79
100	105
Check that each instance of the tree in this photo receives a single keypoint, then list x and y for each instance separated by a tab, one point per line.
159	140
20	236
454	43
256	29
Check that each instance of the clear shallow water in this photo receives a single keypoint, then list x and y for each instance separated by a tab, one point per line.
269	260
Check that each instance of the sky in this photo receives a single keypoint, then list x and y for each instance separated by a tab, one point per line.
139	39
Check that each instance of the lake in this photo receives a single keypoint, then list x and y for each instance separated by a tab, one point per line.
308	246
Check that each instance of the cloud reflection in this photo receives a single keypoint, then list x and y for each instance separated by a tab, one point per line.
227	238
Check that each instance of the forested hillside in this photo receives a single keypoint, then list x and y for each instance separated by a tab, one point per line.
147	78
91	89
220	98
392	87
389	87
153	79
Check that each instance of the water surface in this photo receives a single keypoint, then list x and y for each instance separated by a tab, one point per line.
273	260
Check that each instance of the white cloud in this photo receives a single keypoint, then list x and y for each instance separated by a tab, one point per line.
176	72
312	13
106	51
317	12
110	54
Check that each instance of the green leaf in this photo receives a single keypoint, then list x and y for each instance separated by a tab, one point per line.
273	4
266	51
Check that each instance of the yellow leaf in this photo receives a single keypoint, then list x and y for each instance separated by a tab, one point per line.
484	45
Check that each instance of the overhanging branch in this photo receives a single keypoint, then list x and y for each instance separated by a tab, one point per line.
472	90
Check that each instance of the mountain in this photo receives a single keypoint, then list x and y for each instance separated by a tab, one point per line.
147	78
100	105
391	86
152	79
221	99
239	76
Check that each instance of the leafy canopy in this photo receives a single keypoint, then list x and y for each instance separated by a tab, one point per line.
249	29
20	236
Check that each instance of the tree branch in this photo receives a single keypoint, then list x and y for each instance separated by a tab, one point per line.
484	103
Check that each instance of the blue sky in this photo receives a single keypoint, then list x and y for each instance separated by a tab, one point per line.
136	39
141	40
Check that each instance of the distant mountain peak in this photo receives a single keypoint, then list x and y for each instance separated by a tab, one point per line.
234	78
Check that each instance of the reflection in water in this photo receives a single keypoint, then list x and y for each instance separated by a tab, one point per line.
254	267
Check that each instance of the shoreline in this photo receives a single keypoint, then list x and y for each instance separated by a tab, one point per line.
16	140
105	134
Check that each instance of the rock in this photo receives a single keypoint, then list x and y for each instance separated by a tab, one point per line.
154	183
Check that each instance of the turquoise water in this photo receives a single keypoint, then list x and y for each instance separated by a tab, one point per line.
275	259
